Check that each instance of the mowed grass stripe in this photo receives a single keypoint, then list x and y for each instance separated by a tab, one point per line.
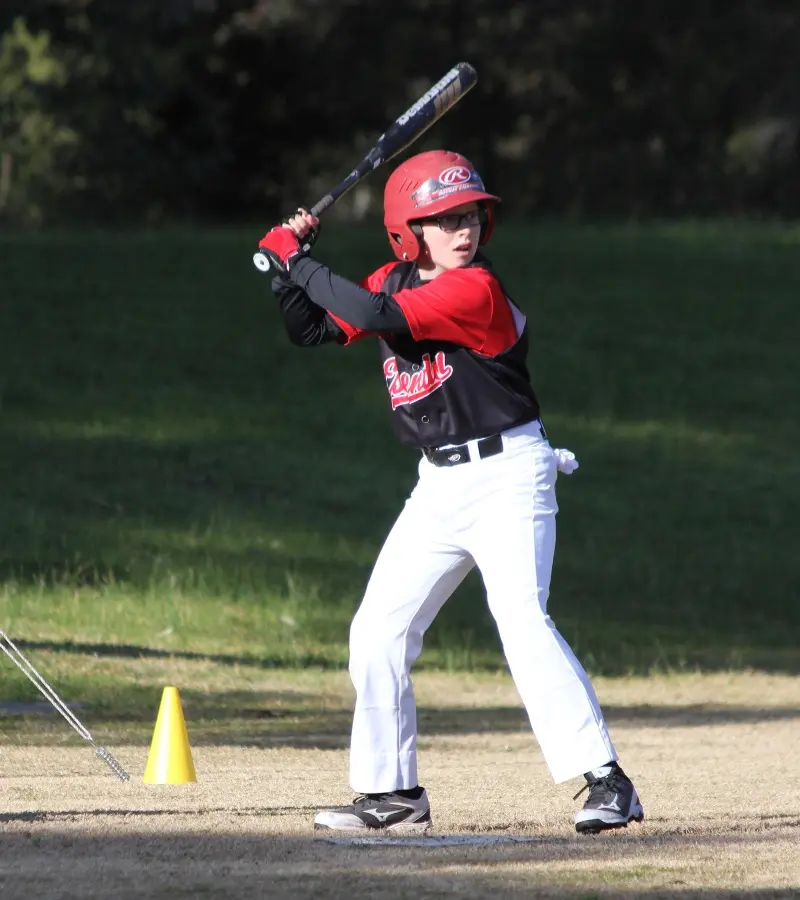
178	477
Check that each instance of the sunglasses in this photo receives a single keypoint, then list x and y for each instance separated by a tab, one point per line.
456	221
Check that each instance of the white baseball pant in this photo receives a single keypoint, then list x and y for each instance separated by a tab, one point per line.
499	514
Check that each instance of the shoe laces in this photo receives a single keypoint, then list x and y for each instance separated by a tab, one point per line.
363	799
598	787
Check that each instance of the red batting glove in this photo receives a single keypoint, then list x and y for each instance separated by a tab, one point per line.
280	246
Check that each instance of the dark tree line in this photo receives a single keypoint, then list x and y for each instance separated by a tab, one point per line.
229	109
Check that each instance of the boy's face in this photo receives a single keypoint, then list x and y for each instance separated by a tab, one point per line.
451	239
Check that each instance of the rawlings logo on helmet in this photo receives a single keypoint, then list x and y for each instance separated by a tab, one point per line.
455	175
451	180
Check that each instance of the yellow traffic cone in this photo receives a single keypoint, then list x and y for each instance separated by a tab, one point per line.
170	759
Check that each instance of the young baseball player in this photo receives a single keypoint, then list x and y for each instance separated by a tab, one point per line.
453	346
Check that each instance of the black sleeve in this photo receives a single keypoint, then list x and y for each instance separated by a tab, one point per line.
355	305
307	324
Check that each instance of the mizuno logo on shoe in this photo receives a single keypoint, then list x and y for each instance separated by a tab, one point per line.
382	816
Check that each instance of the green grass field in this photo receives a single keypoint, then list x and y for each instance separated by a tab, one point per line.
177	478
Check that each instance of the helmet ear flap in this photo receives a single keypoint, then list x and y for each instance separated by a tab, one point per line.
406	241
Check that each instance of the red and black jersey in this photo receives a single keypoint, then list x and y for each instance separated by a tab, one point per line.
453	347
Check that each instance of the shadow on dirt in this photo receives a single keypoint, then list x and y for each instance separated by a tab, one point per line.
232	864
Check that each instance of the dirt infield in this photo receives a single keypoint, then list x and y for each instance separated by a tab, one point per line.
716	760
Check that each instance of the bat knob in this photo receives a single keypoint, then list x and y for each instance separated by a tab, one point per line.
261	261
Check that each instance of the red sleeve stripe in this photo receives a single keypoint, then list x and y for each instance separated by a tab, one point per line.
351	332
373	282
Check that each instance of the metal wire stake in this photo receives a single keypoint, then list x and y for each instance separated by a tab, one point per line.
26	667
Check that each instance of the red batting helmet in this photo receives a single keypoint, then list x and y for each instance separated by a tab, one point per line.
427	185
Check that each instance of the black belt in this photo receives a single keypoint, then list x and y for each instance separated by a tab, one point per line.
454	456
